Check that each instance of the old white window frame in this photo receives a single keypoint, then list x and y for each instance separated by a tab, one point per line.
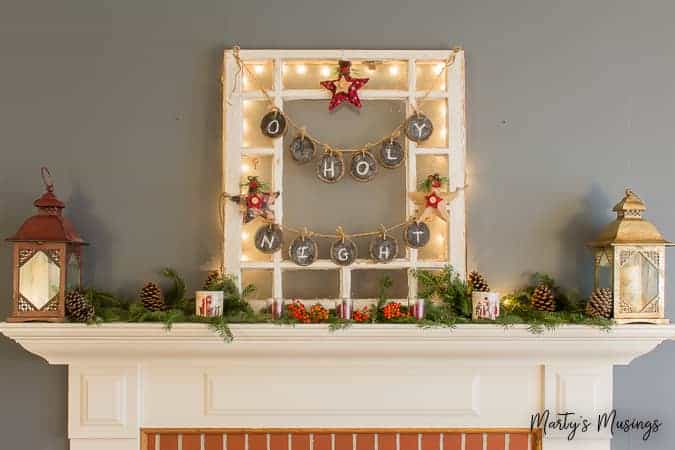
233	151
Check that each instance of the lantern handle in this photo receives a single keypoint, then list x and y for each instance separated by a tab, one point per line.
47	179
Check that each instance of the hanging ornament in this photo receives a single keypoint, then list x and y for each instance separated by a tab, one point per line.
416	234
256	202
303	250
383	248
302	149
363	166
391	154
273	124
343	251
268	238
418	127
345	87
331	167
431	202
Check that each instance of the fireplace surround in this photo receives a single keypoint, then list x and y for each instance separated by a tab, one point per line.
129	383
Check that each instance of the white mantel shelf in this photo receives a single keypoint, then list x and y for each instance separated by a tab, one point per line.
65	343
124	377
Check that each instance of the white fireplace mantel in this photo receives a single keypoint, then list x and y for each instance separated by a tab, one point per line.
123	377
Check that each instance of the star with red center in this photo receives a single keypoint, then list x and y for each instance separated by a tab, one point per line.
432	204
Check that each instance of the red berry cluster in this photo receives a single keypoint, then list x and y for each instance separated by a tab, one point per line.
297	310
392	311
318	313
362	315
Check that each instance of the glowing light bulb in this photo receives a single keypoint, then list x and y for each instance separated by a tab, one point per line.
444	132
325	71
246	104
438	69
393	70
244	235
244	257
244	126
301	69
245	167
244	81
440	239
259	69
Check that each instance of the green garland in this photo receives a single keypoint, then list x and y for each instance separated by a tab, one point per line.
448	304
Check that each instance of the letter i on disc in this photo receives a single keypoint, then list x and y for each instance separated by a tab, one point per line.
303	250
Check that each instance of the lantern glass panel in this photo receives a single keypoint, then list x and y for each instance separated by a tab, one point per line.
39	279
604	269
73	274
639	282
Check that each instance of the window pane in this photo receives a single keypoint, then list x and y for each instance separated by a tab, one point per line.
261	77
639	281
251	136
381	74
436	111
430	76
366	283
357	206
311	284
261	279
437	248
261	167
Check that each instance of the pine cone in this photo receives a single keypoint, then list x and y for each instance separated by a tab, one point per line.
78	308
478	282
543	298
601	304
152	297
213	278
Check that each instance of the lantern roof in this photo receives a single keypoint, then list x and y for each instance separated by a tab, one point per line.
629	227
48	225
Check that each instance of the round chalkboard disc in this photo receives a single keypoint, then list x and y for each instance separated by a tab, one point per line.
363	166
303	251
268	238
391	154
302	149
331	167
383	249
273	124
418	127
416	234
343	252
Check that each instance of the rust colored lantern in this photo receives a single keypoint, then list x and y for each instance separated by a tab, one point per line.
47	261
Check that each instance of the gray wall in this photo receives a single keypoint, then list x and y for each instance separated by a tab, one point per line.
569	102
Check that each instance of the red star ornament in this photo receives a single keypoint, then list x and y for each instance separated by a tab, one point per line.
259	204
345	87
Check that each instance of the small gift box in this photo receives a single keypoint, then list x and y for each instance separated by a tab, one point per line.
485	305
209	303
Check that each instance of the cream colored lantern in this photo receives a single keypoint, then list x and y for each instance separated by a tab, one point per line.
630	259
